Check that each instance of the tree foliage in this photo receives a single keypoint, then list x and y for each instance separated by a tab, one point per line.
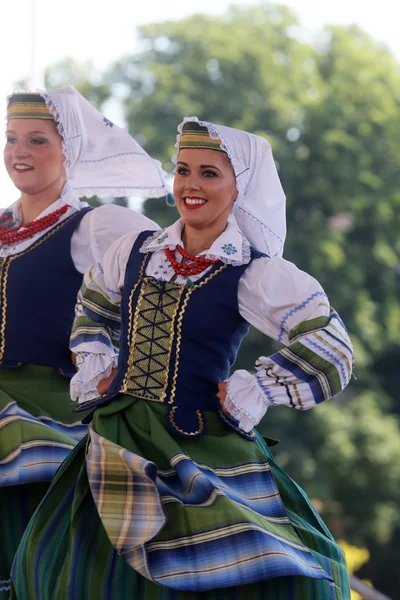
331	111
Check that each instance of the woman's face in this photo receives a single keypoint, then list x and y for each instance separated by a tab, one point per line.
33	155
204	187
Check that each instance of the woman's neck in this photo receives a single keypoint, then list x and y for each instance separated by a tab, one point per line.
33	205
198	240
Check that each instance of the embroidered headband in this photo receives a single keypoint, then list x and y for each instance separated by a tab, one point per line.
195	136
28	106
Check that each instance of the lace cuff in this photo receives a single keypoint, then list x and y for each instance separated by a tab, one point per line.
92	368
245	401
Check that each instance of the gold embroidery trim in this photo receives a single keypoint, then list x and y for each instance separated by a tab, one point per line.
179	328
166	327
132	335
4	269
141	271
130	357
178	343
81	405
199	416
211	276
5	266
131	365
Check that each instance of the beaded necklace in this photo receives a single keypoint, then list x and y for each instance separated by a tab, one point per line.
197	266
13	235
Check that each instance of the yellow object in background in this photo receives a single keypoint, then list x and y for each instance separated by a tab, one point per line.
356	558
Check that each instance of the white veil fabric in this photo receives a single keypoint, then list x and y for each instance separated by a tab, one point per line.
102	159
260	209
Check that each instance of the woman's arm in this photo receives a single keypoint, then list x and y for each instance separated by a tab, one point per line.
95	333
291	307
100	228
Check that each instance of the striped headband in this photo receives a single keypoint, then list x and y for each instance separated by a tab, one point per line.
195	136
27	106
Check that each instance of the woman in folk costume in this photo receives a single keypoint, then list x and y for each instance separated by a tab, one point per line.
58	148
174	495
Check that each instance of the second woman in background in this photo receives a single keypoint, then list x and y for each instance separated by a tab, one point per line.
58	149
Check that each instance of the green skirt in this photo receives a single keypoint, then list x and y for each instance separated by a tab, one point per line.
136	511
37	431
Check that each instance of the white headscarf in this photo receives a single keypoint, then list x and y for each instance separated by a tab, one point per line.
260	208
102	159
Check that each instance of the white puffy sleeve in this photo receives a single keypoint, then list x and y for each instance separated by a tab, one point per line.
96	328
100	228
291	307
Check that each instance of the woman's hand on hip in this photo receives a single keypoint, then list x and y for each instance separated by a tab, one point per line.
222	395
104	385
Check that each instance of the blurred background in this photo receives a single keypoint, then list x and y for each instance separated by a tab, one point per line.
321	81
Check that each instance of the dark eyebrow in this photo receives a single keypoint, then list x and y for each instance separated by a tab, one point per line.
30	132
180	162
209	167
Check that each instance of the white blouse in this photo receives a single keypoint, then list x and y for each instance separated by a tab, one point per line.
274	296
97	230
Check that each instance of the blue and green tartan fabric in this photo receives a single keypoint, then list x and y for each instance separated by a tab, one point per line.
150	514
37	432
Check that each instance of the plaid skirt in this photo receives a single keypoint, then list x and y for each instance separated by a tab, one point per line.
136	511
37	432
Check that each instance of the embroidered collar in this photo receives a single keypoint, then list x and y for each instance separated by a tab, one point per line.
231	247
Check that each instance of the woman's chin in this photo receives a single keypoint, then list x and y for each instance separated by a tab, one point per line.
195	220
30	192
24	188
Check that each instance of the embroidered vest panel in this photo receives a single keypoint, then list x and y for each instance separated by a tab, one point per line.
178	342
152	327
38	289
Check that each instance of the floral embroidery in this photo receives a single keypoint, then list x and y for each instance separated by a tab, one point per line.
108	122
229	249
162	239
12	220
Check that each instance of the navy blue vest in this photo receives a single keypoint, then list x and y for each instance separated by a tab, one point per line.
177	342
38	294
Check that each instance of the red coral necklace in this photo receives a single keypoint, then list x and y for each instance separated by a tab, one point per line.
13	235
197	266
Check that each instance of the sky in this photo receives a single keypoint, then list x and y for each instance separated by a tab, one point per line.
88	30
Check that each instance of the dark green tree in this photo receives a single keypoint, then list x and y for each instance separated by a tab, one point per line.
88	80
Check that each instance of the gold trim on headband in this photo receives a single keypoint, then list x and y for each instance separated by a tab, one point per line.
28	106
194	136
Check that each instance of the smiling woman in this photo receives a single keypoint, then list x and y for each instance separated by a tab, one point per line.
57	150
34	161
204	191
174	495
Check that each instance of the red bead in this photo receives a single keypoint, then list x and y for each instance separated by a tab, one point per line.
198	264
27	230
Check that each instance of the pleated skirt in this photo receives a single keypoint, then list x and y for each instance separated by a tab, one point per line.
37	431
137	511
